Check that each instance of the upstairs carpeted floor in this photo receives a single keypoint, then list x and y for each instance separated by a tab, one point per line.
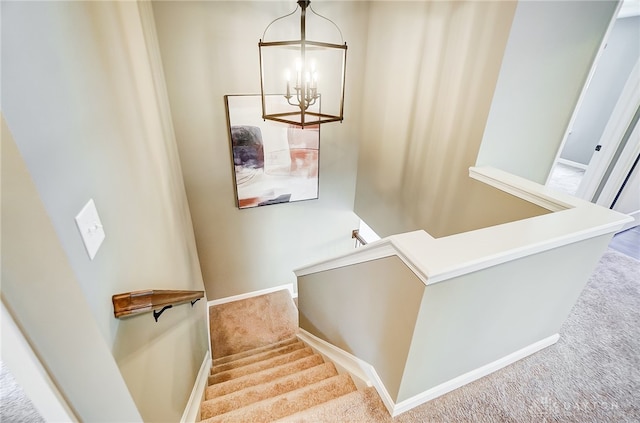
592	374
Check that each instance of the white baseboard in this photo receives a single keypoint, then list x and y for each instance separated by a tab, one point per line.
342	359
473	375
367	373
288	286
351	364
192	410
573	164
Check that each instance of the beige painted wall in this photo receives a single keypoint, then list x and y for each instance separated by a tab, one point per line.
550	51
210	49
41	292
368	309
428	99
454	326
78	96
428	88
475	319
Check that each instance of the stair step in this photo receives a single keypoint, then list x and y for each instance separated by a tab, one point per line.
263	355
254	351
252	322
358	406
253	394
289	403
263	376
260	365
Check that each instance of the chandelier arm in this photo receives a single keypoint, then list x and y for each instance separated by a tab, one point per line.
302	101
292	104
302	104
324	17
282	17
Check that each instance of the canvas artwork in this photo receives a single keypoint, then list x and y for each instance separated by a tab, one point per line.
273	162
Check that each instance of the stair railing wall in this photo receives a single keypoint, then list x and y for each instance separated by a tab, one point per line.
368	310
432	314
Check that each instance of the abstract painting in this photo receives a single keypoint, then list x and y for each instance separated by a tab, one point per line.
273	162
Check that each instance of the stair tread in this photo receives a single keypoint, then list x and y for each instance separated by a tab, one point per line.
291	402
253	394
249	323
263	376
236	356
259	356
260	365
355	407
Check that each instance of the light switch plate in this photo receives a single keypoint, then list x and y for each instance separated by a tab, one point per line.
90	228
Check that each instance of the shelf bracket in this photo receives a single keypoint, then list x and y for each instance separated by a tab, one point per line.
156	314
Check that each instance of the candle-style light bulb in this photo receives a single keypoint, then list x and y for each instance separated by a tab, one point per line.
298	72
287	76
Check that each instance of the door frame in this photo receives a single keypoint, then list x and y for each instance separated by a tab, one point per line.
612	136
624	167
584	90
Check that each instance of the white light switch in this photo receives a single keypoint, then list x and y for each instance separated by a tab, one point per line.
90	228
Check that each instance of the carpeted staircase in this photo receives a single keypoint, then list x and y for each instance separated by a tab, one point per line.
586	376
271	382
280	380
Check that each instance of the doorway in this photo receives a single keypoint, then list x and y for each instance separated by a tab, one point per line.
578	166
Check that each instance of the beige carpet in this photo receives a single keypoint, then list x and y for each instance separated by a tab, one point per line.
247	324
261	372
591	375
271	382
15	406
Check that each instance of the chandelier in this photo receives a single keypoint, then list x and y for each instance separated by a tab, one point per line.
302	81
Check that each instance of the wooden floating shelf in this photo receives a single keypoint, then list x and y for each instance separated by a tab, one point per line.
131	303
